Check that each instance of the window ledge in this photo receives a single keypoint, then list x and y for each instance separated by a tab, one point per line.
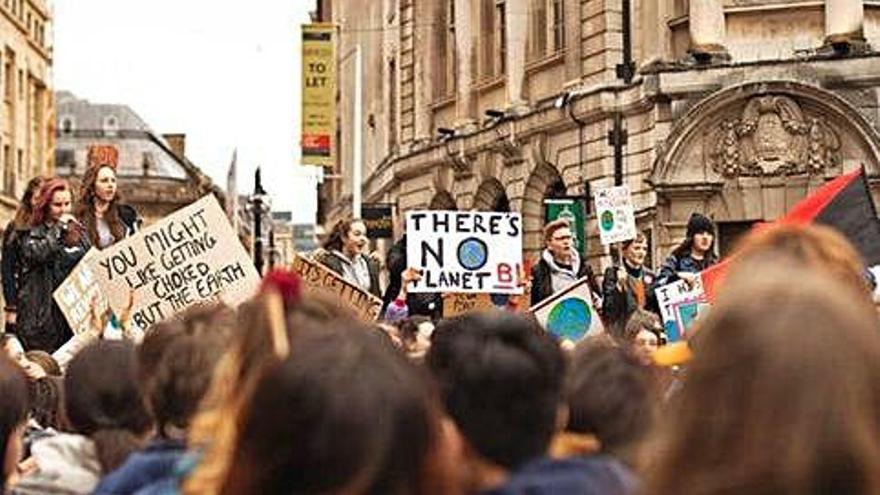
549	60
443	101
490	83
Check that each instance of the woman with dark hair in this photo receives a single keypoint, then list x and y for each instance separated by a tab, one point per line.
782	394
13	415
50	250
381	408
628	287
106	219
10	260
345	255
693	255
107	416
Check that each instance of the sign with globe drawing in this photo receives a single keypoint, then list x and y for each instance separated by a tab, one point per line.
465	251
615	214
569	314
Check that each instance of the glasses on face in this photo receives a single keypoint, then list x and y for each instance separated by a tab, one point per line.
561	238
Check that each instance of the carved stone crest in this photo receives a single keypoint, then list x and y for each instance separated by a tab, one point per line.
773	136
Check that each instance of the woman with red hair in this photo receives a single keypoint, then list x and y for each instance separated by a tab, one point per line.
50	250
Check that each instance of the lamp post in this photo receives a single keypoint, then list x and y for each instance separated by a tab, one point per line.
257	200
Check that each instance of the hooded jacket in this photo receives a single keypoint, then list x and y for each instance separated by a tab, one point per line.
66	465
593	475
543	273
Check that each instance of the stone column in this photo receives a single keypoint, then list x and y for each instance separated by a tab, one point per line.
707	30
464	45
423	74
844	21
653	33
517	22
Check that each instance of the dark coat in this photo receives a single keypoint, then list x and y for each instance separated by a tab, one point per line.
542	280
130	218
675	264
428	304
10	264
593	475
45	264
619	304
155	463
334	262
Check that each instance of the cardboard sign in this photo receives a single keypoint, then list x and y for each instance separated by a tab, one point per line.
318	277
569	314
680	305
465	251
616	215
459	304
75	295
190	257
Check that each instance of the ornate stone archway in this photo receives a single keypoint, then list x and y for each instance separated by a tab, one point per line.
750	152
490	193
541	182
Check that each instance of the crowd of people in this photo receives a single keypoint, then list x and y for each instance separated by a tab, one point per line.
291	393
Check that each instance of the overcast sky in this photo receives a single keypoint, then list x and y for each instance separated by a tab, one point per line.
224	72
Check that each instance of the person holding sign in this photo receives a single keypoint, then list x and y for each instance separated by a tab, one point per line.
99	209
628	287
345	247
692	256
560	264
50	250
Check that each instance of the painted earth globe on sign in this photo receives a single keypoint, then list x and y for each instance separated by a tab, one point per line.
473	253
607	220
570	319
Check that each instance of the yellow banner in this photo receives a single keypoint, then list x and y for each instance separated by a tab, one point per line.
318	94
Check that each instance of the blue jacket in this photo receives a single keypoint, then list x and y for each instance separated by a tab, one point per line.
593	475
157	461
674	265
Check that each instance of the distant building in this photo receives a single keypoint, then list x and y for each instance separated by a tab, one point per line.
27	112
305	237
154	174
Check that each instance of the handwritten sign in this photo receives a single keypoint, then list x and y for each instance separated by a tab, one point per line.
458	304
680	305
569	314
317	277
616	215
76	294
190	257
465	251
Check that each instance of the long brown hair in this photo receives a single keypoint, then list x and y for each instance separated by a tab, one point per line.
340	231
25	206
782	395
85	207
44	201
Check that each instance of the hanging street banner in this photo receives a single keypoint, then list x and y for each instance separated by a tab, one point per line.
465	251
575	211
318	94
190	257
379	220
318	277
616	215
78	293
569	314
680	305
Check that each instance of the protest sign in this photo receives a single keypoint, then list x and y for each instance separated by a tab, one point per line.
190	257
465	251
79	291
569	314
461	303
680	305
318	277
614	210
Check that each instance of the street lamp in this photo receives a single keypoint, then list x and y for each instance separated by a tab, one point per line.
258	198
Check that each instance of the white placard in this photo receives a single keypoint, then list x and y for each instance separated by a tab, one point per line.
672	297
465	251
569	314
190	257
615	214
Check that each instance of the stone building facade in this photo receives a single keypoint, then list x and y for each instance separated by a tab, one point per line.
154	174
733	108
27	114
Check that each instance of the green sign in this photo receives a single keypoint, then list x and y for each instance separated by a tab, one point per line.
574	209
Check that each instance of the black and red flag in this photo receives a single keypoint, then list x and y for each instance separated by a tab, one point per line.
844	204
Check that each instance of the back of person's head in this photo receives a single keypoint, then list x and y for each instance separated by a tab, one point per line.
47	402
13	414
103	401
45	361
812	246
344	413
782	394
501	378
612	396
